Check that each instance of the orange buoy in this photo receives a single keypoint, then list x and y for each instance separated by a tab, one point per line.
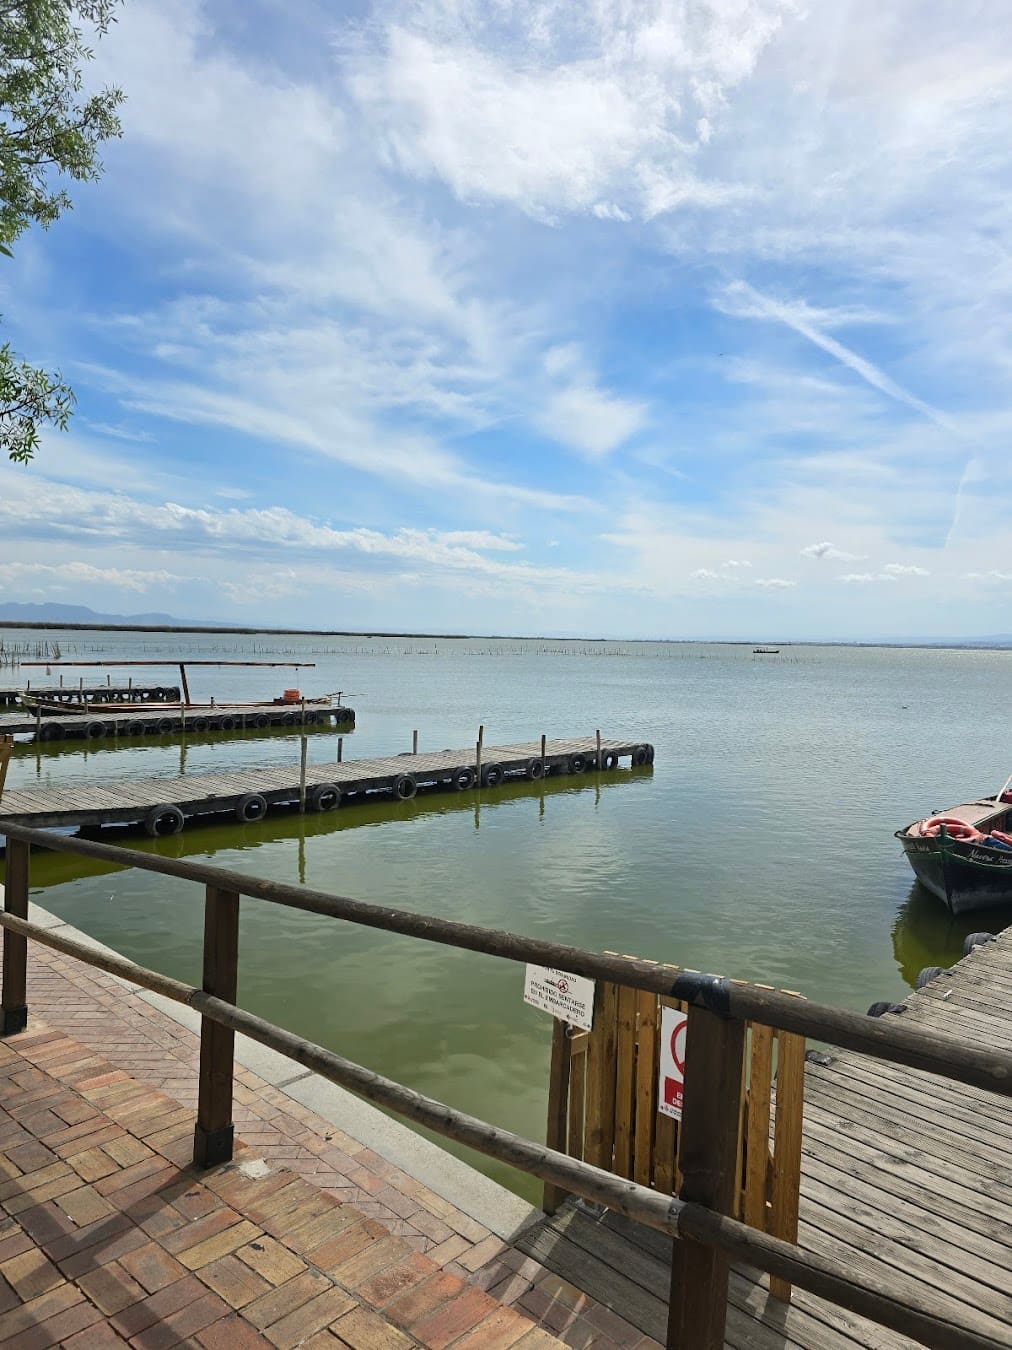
954	828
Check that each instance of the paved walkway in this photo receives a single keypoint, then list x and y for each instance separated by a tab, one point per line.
114	1059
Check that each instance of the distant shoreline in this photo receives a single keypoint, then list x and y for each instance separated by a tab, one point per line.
974	644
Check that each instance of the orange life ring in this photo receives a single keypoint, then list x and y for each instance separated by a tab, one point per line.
1002	837
954	828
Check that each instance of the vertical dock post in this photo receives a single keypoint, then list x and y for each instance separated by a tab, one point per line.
708	1156
477	752
414	742
214	1131
15	960
340	748
599	747
304	748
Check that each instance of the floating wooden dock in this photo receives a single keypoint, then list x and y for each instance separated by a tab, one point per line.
75	695
154	719
905	1177
162	805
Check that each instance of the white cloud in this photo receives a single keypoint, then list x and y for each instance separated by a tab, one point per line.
775	583
704	574
828	550
601	109
68	577
864	578
904	570
736	562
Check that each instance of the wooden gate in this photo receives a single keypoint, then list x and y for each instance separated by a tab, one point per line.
603	1098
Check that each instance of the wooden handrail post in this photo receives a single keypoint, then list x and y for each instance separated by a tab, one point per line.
214	1130
558	1107
15	962
714	1060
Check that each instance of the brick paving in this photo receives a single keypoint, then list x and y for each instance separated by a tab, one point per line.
416	1263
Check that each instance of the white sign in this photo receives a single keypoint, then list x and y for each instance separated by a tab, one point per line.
673	1030
568	997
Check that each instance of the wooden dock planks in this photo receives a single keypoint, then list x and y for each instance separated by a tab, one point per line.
904	1177
164	719
131	801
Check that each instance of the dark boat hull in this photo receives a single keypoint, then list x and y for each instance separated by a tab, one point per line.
966	877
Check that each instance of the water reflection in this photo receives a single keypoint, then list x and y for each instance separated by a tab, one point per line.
927	934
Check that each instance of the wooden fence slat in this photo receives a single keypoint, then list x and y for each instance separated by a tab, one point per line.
787	1146
646	1086
577	1093
757	1140
213	1132
558	1103
665	1128
625	1049
600	1115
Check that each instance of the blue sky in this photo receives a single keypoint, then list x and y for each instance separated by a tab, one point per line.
676	318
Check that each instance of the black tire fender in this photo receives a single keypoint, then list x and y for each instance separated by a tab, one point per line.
163	820
324	797
882	1007
405	787
577	763
609	760
639	756
463	778
535	768
94	730
492	775
974	940
252	806
928	974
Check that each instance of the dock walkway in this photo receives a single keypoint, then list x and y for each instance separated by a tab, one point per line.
162	804
161	719
904	1175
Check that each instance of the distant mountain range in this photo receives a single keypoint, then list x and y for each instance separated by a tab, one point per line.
12	612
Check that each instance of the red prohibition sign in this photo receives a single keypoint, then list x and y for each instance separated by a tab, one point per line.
678	1045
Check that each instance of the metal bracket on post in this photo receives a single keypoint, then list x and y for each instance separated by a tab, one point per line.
14	999
214	1131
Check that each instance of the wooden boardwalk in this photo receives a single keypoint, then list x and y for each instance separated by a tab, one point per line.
904	1176
163	804
94	724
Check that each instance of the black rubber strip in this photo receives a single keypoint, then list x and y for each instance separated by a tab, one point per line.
711	992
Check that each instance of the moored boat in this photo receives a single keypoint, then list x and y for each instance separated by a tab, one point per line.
964	855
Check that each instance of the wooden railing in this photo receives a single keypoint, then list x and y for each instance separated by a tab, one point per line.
603	1107
700	1215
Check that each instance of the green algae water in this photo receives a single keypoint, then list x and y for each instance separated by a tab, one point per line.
759	844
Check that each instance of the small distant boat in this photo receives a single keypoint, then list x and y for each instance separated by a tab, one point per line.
964	855
765	651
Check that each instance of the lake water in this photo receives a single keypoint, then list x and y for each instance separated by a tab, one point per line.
759	845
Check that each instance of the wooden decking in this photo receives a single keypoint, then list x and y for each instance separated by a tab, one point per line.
132	802
904	1176
163	719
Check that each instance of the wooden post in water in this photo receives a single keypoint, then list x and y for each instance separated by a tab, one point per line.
38	721
477	753
340	748
708	1156
599	747
15	958
214	1130
544	742
304	749
414	742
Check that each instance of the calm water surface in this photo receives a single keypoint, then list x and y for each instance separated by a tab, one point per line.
759	845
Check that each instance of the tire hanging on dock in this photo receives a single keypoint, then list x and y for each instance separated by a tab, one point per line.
324	797
251	807
639	756
463	778
577	763
609	759
163	820
492	775
405	787
536	769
